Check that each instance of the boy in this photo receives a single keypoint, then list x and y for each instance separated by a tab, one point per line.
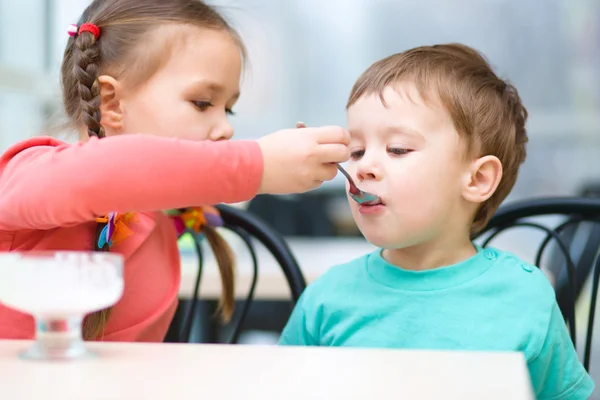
439	138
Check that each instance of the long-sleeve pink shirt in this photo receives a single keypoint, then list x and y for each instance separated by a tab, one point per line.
51	192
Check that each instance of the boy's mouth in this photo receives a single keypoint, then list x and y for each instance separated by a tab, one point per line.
372	207
376	202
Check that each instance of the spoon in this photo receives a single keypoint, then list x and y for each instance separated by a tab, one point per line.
360	196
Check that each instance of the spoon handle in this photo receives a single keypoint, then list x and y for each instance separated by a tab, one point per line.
353	187
343	171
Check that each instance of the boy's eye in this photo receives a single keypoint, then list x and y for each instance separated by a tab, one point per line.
202	105
229	111
399	152
355	155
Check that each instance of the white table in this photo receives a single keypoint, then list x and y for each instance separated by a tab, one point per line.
178	371
315	256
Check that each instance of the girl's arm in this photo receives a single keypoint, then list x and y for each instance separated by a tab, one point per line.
45	183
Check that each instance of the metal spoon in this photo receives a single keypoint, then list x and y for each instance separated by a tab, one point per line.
360	196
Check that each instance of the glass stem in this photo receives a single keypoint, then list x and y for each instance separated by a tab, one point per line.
59	337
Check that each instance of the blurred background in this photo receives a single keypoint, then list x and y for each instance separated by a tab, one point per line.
304	57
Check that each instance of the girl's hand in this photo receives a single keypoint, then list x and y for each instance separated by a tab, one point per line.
299	160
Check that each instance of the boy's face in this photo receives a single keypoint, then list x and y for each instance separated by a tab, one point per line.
410	155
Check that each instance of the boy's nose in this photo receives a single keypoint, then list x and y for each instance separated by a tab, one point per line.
368	170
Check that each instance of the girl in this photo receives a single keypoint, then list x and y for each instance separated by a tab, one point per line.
171	70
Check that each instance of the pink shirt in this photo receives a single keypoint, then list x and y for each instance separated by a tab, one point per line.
51	192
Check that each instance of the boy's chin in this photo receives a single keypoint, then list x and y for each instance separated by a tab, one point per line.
382	241
391	240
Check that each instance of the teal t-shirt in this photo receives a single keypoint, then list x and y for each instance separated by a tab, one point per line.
491	302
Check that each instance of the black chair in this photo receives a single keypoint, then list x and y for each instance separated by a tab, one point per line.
572	248
249	228
298	215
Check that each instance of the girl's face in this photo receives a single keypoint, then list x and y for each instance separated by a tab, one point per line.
189	97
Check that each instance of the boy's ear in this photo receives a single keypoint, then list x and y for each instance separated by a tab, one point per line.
483	178
111	107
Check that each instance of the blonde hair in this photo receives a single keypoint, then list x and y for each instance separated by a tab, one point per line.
486	111
120	50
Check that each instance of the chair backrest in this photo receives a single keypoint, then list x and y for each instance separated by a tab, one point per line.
298	215
249	228
571	247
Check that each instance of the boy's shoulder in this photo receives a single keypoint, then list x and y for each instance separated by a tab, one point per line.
523	283
510	268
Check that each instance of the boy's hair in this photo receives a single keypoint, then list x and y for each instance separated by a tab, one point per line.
486	111
127	50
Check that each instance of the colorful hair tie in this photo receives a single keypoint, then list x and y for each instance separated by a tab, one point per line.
116	229
190	219
73	30
194	218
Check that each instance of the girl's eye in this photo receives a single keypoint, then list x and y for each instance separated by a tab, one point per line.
357	154
202	105
399	152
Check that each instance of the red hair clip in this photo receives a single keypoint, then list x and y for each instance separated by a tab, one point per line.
87	27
